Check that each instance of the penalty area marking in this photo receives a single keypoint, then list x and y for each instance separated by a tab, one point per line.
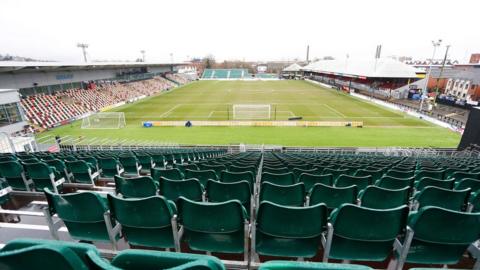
290	112
213	112
335	111
165	114
223	112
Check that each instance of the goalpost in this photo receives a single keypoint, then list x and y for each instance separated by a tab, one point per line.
251	112
104	120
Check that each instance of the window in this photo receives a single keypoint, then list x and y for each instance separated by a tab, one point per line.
9	114
449	84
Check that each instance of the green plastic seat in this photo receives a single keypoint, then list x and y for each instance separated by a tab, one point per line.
217	168
290	265
184	167
444	198
110	167
25	254
142	226
335	172
8	158
251	169
360	181
172	174
382	198
364	234
158	160
400	174
229	177
471	183
60	167
291	195
441	236
136	187
202	175
375	174
28	256
309	180
34	257
222	192
351	170
438	174
458	176
278	179
280	170
82	213
303	166
130	164
449	171
188	188
287	231
81	172
44	176
92	161
297	172
146	162
333	197
131	259
14	174
433	182
395	183
214	227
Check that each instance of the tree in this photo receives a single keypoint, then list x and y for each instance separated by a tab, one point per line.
209	61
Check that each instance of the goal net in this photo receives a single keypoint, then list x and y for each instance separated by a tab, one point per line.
251	112
104	120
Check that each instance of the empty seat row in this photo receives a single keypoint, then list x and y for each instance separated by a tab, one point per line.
350	232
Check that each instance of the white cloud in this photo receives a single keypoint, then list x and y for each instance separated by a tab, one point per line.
246	29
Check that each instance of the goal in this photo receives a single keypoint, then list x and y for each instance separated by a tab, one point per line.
104	120
251	112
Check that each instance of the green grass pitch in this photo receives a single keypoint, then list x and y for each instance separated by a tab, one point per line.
213	100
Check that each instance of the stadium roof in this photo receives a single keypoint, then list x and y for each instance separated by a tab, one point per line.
293	67
15	66
383	68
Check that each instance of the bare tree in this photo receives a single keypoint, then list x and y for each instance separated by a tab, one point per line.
209	61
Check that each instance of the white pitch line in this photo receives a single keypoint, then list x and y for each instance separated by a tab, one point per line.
335	111
290	112
169	111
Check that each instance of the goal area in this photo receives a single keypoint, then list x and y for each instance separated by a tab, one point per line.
104	120
251	112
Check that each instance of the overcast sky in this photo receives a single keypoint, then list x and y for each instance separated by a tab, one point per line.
240	29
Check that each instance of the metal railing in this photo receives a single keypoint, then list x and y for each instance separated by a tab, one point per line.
72	143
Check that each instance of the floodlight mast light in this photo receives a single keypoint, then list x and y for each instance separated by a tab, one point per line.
84	47
435	44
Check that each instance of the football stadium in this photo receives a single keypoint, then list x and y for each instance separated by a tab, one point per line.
274	162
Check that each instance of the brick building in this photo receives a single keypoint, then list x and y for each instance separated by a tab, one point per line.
475	58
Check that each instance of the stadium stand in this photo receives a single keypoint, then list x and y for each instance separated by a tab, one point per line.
178	78
48	111
225	74
352	207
